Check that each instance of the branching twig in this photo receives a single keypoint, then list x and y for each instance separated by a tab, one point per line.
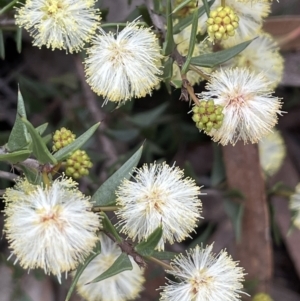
186	90
128	248
7	175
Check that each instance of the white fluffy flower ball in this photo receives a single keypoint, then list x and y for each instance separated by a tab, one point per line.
158	195
124	286
123	66
262	55
49	227
204	276
61	24
250	111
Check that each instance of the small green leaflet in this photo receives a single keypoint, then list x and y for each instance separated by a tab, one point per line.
121	264
65	152
147	247
105	195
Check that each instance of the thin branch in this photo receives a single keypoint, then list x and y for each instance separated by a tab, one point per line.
157	20
107	208
161	263
8	23
7	175
128	248
200	72
291	36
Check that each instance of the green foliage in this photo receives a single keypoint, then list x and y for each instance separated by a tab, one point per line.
40	149
185	22
163	255
193	41
122	263
19	136
2	47
19	39
65	152
105	195
108	226
211	60
169	44
15	157
235	211
146	248
81	268
206	7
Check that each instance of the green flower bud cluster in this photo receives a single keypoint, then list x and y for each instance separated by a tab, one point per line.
262	297
222	23
78	164
208	116
62	138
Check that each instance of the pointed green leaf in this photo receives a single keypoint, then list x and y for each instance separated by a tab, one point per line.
15	157
32	175
211	60
235	211
218	169
65	152
105	195
19	137
206	7
42	128
169	44
163	255
147	247
121	264
40	149
81	268
168	68
109	227
193	40
47	138
8	7
202	239
185	22
2	47
19	39
148	118
181	5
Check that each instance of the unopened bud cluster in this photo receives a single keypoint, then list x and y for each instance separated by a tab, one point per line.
78	164
62	138
222	23
208	116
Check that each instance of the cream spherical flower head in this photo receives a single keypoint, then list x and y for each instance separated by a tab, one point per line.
126	65
59	24
272	152
295	206
262	55
250	111
250	17
204	276
50	227
124	286
159	195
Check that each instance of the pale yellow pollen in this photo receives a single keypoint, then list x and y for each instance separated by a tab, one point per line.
53	6
51	217
199	280
156	199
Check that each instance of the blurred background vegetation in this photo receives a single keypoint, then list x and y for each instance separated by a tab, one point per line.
54	89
